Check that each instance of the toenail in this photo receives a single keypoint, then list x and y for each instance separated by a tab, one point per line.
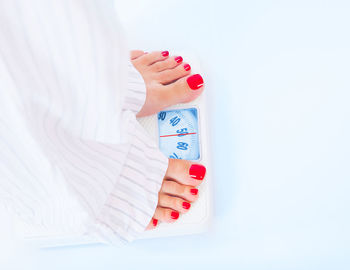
186	205
197	171
187	67
174	215
194	191
155	222
178	59
195	81
165	53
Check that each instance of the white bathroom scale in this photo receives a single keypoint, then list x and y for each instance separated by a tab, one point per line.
182	133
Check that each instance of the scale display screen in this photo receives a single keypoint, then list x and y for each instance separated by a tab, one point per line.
178	133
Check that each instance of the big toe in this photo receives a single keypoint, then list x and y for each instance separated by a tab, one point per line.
185	172
185	89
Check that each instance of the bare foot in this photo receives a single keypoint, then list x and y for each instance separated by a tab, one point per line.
168	80
178	190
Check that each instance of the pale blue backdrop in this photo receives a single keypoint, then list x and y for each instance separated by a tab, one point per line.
277	73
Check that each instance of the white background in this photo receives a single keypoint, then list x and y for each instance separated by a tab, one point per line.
277	73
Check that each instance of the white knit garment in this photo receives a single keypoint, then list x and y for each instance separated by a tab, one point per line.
68	99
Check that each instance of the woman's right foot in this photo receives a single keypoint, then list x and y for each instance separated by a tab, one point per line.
168	80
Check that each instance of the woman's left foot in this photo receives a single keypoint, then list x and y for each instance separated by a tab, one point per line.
168	80
178	191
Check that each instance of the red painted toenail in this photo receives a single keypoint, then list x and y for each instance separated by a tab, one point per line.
187	67
178	59
195	81
197	171
174	215
186	205
194	191
165	53
155	222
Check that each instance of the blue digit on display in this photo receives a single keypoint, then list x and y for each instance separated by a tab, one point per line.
162	115
182	145
174	156
182	132
174	121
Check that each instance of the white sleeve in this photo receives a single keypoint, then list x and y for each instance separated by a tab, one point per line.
136	91
132	202
65	119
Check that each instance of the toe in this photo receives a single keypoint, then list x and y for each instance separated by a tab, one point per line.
136	54
151	58
171	75
185	172
153	224
185	89
166	215
169	63
174	203
188	193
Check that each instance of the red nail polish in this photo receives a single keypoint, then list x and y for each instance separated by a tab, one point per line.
174	215
194	191
178	59
186	205
155	222
165	53
187	67
195	81
197	171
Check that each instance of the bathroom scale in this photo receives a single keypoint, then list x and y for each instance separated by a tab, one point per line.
181	132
